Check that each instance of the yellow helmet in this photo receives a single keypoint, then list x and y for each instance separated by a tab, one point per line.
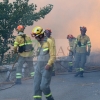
37	31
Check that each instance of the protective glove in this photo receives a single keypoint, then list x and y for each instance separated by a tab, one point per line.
47	67
74	52
79	43
88	53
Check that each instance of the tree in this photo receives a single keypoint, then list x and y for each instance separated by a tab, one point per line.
13	14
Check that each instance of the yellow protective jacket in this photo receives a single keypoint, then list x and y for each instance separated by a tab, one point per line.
19	41
71	43
84	41
50	44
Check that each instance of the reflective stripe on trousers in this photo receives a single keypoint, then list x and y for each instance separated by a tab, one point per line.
29	69
32	74
79	69
18	75
42	77
70	63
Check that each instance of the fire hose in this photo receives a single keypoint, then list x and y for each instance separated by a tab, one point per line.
7	79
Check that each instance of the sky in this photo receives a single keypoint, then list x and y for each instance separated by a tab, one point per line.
66	17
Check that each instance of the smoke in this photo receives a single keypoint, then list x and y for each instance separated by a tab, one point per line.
66	18
68	15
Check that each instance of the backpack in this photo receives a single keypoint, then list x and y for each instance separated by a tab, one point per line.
26	47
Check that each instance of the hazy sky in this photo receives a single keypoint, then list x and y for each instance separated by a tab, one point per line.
66	18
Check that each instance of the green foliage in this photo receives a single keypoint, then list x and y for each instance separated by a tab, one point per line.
13	14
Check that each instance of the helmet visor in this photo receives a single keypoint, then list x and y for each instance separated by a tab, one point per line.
34	35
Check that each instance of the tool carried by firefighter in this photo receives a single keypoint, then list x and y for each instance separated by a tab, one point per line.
10	70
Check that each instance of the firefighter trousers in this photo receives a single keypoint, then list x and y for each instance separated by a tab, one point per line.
80	60
42	79
30	68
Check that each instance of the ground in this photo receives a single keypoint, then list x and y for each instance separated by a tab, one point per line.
64	87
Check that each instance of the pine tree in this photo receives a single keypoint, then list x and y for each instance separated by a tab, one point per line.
13	14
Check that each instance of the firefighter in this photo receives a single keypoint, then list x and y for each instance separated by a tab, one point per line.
83	49
47	33
23	45
45	60
71	40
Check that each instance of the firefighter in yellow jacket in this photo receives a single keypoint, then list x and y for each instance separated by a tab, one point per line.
48	35
82	48
43	71
71	40
23	45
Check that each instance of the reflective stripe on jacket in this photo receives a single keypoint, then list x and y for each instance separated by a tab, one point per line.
84	41
19	41
49	45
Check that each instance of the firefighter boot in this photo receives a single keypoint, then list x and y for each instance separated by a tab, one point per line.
50	98
70	69
81	73
77	73
18	81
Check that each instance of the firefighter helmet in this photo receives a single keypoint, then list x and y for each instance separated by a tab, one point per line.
47	32
83	28
70	36
20	28
37	31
